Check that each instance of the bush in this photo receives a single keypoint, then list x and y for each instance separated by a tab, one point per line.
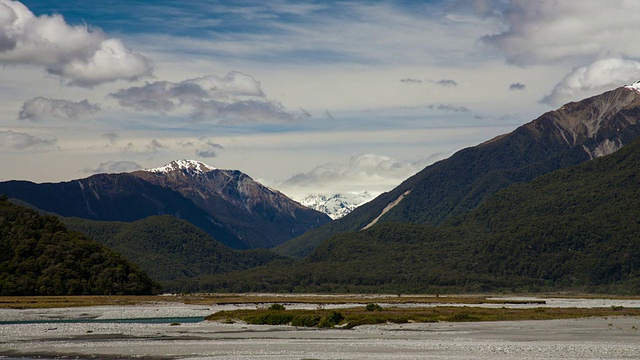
373	307
305	320
277	307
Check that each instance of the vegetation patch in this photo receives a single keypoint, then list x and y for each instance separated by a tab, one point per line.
356	316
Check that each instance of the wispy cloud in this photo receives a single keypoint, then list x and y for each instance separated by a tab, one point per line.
517	86
76	54
208	149
154	146
42	108
542	32
448	108
12	141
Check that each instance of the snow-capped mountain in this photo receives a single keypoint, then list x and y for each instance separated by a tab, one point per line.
336	205
256	215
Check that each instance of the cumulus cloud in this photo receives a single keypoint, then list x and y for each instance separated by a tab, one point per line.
113	167
597	77
12	141
546	31
366	171
41	108
517	86
235	97
77	54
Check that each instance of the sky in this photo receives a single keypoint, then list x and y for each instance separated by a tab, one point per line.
303	96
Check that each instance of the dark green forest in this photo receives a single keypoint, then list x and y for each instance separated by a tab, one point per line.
576	229
169	249
40	256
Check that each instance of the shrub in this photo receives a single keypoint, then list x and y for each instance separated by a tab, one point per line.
277	307
373	307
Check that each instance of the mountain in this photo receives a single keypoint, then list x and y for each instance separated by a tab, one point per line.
336	205
40	256
574	133
260	216
227	205
573	229
169	249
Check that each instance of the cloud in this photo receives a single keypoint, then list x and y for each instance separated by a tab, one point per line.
448	108
11	141
236	97
112	137
547	31
446	82
597	77
517	86
208	149
365	171
41	108
411	81
155	146
113	167
77	54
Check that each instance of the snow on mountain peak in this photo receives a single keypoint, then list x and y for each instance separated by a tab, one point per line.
336	205
190	165
635	86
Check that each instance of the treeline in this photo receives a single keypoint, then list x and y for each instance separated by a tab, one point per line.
40	256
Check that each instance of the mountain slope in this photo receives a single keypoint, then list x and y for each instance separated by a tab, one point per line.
226	204
39	256
574	229
260	216
572	134
115	197
170	250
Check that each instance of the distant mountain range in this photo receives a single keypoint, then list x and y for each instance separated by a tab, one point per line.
336	205
227	204
576	132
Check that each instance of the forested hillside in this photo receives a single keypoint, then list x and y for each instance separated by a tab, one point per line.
170	250
40	256
576	229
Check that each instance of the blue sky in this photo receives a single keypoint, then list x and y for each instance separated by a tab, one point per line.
304	96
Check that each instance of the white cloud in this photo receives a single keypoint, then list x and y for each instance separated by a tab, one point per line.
547	31
113	167
13	141
41	108
362	172
595	78
237	97
78	55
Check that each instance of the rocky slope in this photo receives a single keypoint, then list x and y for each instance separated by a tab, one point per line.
574	133
226	204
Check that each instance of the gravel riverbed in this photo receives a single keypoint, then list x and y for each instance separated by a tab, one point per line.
591	338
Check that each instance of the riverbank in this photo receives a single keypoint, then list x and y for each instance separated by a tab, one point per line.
611	337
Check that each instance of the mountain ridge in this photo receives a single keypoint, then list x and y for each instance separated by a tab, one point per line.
567	136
